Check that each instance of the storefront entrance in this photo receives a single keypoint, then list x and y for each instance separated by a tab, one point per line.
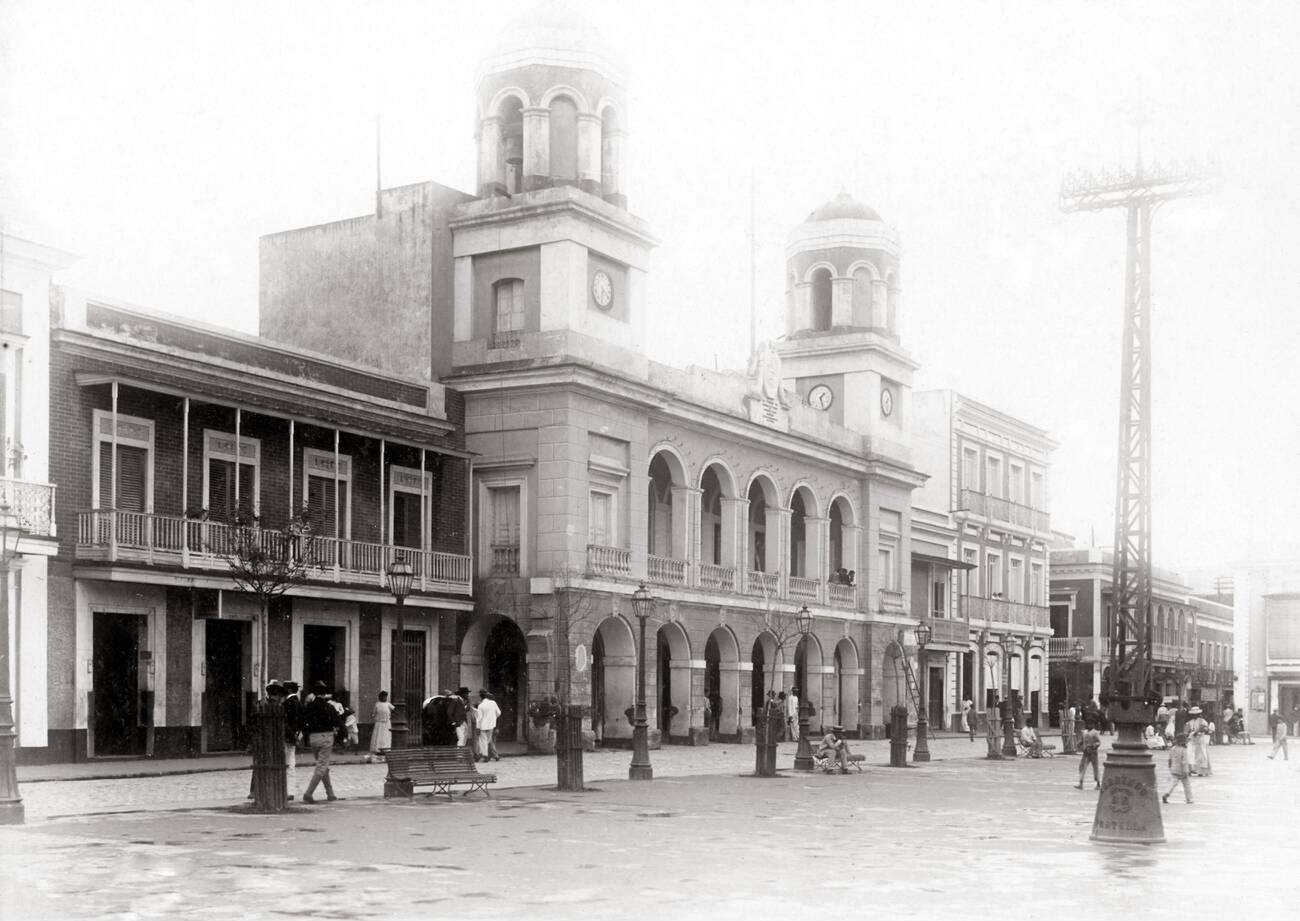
506	666
413	682
324	659
121	709
224	698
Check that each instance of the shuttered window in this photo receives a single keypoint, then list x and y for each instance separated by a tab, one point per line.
320	506
132	477
221	489
407	530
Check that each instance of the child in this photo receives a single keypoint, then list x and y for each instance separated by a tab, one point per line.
1179	768
1089	746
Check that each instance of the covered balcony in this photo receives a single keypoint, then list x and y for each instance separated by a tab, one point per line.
996	612
1004	510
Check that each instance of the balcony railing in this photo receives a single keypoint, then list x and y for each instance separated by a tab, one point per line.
31	503
1059	648
665	570
802	589
1001	611
505	559
997	509
944	630
717	578
611	561
763	584
193	544
841	595
891	601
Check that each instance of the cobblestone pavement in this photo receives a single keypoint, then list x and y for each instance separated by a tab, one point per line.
959	838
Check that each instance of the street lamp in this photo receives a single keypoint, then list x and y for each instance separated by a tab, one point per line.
400	577
1180	669
1008	643
803	759
643	605
922	750
11	804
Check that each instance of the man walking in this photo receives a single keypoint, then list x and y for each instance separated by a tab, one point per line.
792	714
1279	736
320	721
1090	745
489	711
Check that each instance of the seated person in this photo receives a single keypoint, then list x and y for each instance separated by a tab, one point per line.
1152	738
832	746
1029	739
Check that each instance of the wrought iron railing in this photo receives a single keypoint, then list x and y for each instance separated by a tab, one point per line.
31	503
1001	611
999	509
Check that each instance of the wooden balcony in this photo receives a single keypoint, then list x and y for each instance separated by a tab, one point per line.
167	540
31	503
944	630
1004	510
997	611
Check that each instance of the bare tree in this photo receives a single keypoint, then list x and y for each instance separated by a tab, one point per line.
575	606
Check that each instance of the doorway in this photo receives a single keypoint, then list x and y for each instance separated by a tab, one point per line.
757	692
506	653
324	659
224	666
121	711
664	685
598	687
934	697
413	680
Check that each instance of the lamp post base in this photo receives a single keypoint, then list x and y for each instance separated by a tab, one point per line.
922	750
803	758
640	768
1128	811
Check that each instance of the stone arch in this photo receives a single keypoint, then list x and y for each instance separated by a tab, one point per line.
717	527
501	96
840	551
666	505
865	278
573	93
762	528
821	309
846	677
672	684
563	137
613	678
823	264
495	654
722	679
805	535
809	677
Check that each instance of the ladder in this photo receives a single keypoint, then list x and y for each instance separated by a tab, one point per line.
914	691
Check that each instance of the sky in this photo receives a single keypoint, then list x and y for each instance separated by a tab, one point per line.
159	141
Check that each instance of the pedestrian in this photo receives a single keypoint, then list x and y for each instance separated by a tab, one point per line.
1067	729
715	711
785	717
832	746
489	712
381	734
792	713
1225	726
1198	732
1279	736
471	720
1179	769
458	717
437	730
1090	745
1162	717
968	717
1181	717
292	734
350	734
1294	719
320	721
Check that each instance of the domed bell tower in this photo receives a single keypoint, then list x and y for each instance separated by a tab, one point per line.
841	353
548	260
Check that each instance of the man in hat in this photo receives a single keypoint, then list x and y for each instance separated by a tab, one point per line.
489	712
320	721
832	746
292	731
467	734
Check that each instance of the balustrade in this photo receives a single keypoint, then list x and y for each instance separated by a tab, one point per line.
614	561
666	570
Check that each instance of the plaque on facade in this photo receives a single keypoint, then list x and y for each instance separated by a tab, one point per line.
767	401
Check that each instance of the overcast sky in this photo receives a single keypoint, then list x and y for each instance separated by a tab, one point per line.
159	141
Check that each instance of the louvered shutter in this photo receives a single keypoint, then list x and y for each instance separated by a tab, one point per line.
320	505
220	498
131	476
246	489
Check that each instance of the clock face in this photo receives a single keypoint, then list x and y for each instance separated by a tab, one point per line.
602	289
886	400
821	397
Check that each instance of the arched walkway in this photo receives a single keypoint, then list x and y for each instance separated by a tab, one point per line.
722	681
613	679
893	691
672	700
763	670
847	675
810	679
494	655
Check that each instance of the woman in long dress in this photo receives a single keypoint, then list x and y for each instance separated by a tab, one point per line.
381	736
1199	730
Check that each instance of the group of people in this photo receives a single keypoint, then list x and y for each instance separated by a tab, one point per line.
787	704
321	722
455	719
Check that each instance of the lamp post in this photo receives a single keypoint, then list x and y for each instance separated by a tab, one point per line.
803	759
11	804
400	577
1008	643
1180	669
643	604
922	750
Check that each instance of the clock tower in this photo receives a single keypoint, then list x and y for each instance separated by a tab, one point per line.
841	353
548	260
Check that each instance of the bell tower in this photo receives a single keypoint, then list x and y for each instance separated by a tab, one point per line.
547	259
841	353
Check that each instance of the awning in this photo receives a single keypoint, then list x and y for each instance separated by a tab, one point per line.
940	561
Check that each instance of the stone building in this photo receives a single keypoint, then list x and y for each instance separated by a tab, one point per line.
1266	654
175	445
981	568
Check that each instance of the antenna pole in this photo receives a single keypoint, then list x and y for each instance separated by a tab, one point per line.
753	268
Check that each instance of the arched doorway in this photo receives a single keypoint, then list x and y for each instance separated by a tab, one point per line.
892	690
505	666
613	679
808	675
763	666
712	686
847	673
722	678
672	682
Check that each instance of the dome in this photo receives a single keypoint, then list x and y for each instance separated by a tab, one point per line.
551	33
842	206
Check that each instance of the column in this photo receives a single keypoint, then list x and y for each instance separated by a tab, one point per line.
841	302
853	557
879	304
537	148
491	165
589	153
735	535
802	318
611	168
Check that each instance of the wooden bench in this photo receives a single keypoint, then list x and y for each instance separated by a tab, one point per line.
439	766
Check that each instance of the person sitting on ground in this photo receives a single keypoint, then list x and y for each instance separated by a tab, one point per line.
1152	738
833	747
1030	741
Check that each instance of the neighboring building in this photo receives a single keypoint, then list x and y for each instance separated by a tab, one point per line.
738	497
26	494
166	431
1082	611
1212	679
1266	655
982	566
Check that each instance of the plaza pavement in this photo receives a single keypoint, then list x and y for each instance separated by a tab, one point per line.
960	837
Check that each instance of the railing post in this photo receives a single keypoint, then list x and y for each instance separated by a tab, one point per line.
112	535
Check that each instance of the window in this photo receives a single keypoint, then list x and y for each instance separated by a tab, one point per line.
888	571
890	535
1036	584
601	524
327	493
993	574
993	480
1016	579
135	442
408	504
940	605
11	313
502	528
1017	483
508	313
1037	493
970	469
970	578
223	494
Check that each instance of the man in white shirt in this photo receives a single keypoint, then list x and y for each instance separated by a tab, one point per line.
792	713
488	714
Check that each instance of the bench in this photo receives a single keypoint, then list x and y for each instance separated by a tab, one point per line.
830	763
439	766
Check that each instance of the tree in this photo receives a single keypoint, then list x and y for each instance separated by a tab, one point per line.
574	607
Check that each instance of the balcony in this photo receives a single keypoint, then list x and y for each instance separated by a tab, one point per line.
804	589
609	561
996	509
1000	611
664	570
505	559
1094	648
31	503
891	601
717	578
943	630
841	595
166	540
763	584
